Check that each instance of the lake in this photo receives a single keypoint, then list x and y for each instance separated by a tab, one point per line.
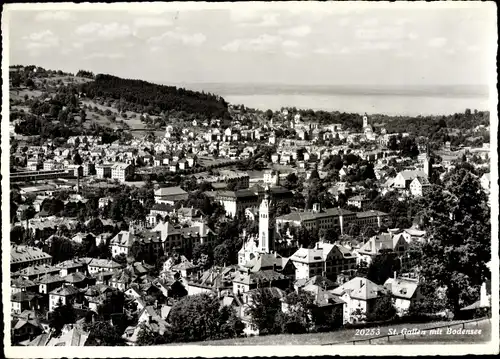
372	99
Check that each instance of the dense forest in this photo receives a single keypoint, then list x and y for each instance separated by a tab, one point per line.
141	96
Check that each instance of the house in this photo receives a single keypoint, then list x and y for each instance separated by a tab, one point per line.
102	265
404	291
23	300
72	336
122	172
324	259
419	186
22	285
48	282
66	294
25	326
360	295
104	201
34	272
385	242
403	179
170	195
103	170
358	201
22	256
71	266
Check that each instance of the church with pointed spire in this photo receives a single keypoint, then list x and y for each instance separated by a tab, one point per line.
264	242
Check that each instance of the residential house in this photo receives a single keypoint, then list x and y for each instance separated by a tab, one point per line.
404	292
360	295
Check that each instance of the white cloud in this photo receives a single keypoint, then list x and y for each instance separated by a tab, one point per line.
438	42
298	31
293	54
290	43
323	51
42	39
412	36
105	31
383	33
54	16
262	43
99	55
151	22
187	39
377	46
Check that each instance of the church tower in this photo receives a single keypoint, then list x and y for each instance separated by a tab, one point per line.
427	163
264	233
365	121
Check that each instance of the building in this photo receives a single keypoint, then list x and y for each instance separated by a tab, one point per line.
103	170
419	186
170	195
404	179
66	294
386	242
25	256
360	295
358	201
404	292
236	202
330	218
122	172
324	259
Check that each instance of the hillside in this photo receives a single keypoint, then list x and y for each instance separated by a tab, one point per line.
141	96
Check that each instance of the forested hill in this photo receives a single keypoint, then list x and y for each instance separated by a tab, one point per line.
141	96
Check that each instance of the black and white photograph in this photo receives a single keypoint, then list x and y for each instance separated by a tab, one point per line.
249	178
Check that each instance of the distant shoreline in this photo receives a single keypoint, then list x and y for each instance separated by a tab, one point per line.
382	100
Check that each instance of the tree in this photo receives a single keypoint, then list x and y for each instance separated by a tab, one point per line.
147	337
383	310
199	317
457	219
264	309
222	255
102	333
383	267
61	315
77	159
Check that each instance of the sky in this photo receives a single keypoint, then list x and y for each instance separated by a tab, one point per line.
308	43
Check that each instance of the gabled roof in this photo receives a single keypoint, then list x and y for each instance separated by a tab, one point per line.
359	288
65	290
402	288
170	191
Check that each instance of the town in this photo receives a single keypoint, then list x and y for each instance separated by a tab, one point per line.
143	215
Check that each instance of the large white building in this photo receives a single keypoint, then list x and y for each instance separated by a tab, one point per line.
122	171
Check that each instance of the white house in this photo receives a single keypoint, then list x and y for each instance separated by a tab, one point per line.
360	296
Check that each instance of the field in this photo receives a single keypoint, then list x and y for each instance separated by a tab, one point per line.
345	337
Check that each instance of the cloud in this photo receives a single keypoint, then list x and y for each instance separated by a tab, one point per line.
99	55
262	43
42	39
293	54
290	43
437	42
151	22
254	17
377	46
298	31
105	31
54	16
323	51
187	39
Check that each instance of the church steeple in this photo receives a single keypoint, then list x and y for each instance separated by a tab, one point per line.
265	240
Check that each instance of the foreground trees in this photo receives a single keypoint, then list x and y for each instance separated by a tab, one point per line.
457	219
